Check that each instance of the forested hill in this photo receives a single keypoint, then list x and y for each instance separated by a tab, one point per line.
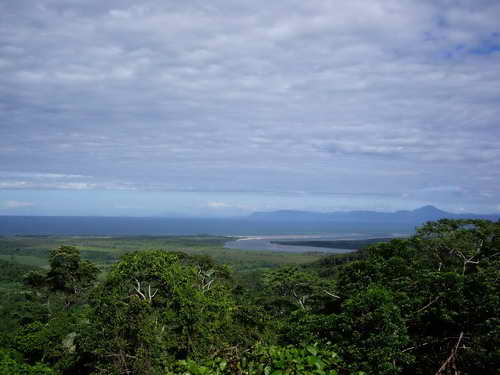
417	216
428	304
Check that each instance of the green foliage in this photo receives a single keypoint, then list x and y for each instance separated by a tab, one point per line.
107	250
445	282
428	304
268	360
15	305
68	275
54	342
10	366
304	289
371	333
13	272
48	319
157	306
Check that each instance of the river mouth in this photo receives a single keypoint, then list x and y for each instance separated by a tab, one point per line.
269	243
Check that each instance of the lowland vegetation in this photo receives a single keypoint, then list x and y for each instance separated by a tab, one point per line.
426	304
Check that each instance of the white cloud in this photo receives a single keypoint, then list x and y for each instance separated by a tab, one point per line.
35	175
17	204
218	205
235	207
450	189
52	182
390	96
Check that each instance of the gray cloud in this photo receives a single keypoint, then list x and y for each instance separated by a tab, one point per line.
400	96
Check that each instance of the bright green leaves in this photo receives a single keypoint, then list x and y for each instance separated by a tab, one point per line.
268	360
157	306
9	366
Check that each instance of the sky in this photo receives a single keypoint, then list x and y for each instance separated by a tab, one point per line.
225	107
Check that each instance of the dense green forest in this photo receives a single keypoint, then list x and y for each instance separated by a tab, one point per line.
428	304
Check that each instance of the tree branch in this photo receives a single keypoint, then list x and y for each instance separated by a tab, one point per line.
452	355
429	304
138	289
331	294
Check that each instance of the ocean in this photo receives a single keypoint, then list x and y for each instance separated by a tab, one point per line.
156	226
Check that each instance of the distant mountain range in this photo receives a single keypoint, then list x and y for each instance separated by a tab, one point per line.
420	215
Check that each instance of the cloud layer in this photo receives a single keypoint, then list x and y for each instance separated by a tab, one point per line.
359	97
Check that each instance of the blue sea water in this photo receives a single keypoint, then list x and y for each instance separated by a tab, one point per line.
155	226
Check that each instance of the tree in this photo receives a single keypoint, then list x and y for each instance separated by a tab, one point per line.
68	275
370	333
445	280
155	307
62	290
305	289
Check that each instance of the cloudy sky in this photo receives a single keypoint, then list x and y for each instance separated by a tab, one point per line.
223	107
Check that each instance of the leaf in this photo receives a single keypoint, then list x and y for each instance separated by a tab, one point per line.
223	365
312	349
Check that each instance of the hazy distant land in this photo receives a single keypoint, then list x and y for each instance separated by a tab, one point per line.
283	222
417	216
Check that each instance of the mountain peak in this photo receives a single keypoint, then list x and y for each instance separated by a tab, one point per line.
429	209
419	215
